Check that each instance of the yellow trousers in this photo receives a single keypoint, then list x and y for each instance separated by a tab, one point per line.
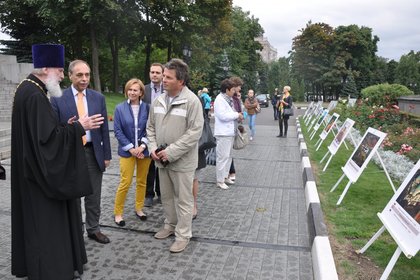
126	176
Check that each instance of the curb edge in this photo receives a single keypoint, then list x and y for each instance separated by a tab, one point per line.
322	256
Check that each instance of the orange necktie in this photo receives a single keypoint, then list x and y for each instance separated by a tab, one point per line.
81	111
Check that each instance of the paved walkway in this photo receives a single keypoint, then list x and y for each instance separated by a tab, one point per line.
258	229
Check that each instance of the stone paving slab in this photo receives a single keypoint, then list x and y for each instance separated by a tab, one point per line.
257	229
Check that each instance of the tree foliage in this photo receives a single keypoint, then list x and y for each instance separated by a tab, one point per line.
312	54
350	88
324	57
408	71
121	38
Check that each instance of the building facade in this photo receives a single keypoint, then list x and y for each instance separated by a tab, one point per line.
268	53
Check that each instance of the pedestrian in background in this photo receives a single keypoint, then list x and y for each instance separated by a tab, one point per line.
251	104
49	174
174	128
130	120
78	100
286	101
225	127
207	101
274	100
152	91
238	106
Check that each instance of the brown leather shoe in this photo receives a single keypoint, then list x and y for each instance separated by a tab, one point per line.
99	237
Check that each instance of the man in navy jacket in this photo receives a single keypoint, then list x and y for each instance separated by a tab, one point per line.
97	147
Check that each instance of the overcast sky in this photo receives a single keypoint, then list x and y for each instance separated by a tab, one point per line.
396	23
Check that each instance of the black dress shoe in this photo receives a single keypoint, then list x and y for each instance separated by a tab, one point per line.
148	202
99	237
120	223
141	217
280	135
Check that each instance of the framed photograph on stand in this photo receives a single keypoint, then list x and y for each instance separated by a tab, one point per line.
319	122
331	123
360	158
313	115
337	141
308	109
401	218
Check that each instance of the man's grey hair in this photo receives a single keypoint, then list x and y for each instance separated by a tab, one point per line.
181	69
74	62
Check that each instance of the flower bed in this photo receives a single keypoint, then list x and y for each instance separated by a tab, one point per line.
397	165
401	148
402	130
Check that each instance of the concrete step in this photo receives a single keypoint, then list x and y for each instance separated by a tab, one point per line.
5	139
5	132
5	153
5	109
5	142
6	116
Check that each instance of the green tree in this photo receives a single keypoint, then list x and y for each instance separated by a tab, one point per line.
20	20
350	88
311	55
357	46
391	73
408	71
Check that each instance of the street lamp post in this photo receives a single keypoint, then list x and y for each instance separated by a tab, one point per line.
187	52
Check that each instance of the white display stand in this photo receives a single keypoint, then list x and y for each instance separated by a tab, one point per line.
318	119
312	113
315	108
352	102
401	217
308	109
337	141
326	130
332	105
319	122
360	159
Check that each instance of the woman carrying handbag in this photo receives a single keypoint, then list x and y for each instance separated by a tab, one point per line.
285	104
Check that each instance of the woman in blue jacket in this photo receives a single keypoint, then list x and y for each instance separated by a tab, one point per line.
130	120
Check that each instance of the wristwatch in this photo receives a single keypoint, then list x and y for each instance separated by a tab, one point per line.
143	146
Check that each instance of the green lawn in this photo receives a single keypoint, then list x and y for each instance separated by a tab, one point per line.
355	220
112	99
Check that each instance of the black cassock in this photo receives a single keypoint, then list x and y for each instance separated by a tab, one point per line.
48	175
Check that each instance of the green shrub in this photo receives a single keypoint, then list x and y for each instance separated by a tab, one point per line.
384	94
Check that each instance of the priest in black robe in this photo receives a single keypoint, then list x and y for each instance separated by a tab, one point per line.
48	175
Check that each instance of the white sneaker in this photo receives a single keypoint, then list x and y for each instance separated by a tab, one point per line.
232	178
223	186
229	181
250	138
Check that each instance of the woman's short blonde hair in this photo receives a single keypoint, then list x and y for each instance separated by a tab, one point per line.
131	82
288	88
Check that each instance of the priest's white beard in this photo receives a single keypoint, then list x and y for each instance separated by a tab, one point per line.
53	86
